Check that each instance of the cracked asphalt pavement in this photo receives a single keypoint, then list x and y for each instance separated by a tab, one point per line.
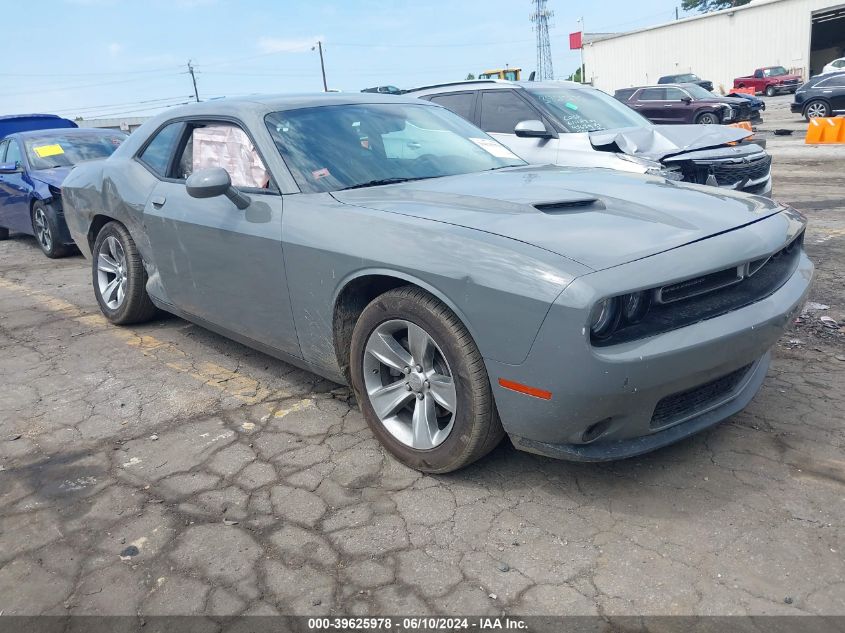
162	469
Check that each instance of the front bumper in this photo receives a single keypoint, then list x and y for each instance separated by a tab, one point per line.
617	389
796	108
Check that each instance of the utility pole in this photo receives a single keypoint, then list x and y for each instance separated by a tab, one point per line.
194	79
540	17
322	65
676	12
583	35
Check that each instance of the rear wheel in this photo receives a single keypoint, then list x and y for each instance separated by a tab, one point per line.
119	277
45	227
707	118
816	109
421	382
770	91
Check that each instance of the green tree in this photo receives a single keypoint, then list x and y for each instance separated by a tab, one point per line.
705	6
576	76
470	76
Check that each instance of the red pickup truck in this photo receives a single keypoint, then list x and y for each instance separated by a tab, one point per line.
772	80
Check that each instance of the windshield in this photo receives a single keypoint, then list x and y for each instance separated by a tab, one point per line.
65	149
698	92
586	110
331	148
774	71
685	78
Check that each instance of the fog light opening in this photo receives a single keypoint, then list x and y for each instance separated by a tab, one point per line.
595	431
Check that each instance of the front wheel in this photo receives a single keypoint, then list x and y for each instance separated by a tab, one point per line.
816	109
119	277
421	382
770	91
707	118
45	227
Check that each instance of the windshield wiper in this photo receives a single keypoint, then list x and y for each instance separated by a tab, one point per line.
383	181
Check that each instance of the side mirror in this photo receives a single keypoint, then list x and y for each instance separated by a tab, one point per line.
531	129
686	100
213	182
9	168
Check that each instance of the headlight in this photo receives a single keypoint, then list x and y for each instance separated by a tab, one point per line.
651	167
614	312
604	318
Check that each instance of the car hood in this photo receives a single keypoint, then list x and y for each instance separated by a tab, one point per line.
657	142
54	176
599	218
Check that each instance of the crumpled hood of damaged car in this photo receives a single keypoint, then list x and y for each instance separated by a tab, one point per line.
597	217
657	142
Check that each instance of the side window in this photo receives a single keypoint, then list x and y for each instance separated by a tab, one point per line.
13	152
758	74
461	103
675	94
223	145
833	82
157	154
3	145
501	110
652	94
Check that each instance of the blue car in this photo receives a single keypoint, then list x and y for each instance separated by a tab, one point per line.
32	167
756	103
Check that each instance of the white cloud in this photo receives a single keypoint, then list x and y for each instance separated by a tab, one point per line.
287	45
115	49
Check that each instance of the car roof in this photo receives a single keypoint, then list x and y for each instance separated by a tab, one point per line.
65	131
493	84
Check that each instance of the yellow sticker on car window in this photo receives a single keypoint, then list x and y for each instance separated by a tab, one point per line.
44	151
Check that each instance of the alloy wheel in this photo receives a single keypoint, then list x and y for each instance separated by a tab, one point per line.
42	230
816	110
111	273
707	119
409	384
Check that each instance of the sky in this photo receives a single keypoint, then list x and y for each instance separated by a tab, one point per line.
124	58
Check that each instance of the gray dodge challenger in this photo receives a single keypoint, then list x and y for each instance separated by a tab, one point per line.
385	242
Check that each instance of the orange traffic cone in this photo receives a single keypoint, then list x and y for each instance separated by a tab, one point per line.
826	130
745	125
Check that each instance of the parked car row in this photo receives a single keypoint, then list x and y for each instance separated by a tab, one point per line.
572	124
684	103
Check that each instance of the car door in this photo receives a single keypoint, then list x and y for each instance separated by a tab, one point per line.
14	191
675	108
833	89
500	111
217	262
650	103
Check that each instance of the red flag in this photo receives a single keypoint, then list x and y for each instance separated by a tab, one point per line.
575	41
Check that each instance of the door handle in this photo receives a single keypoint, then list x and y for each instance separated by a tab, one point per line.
158	201
413	145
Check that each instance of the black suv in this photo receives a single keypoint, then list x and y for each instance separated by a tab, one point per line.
687	78
822	96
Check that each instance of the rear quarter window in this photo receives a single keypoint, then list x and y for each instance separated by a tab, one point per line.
159	151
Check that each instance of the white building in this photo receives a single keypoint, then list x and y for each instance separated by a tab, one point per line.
127	124
801	35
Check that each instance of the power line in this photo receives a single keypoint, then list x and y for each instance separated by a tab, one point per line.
115	105
102	74
71	87
108	115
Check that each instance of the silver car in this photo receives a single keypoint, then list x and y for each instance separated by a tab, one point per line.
385	242
575	125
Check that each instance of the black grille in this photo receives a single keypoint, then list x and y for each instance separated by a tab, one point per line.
696	399
730	172
683	303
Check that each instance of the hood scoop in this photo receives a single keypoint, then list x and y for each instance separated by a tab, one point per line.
570	206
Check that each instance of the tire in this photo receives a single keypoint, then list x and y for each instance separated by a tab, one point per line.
4	234
707	118
770	91
815	109
462	435
127	301
45	227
